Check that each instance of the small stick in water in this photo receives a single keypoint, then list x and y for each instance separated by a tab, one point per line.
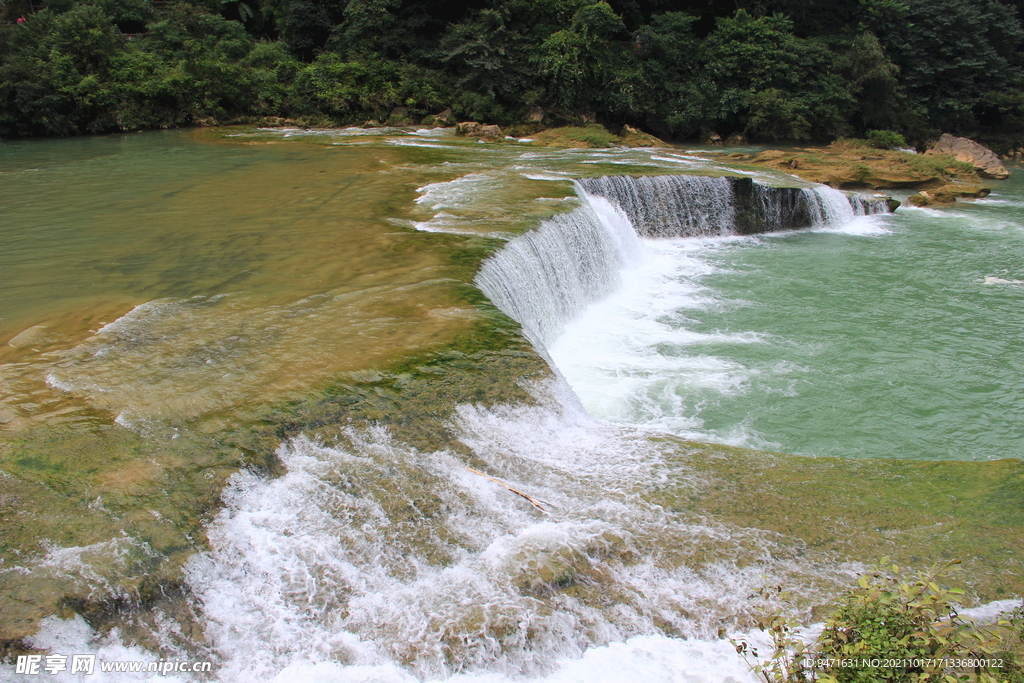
533	501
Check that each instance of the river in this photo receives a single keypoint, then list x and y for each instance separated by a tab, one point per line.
257	409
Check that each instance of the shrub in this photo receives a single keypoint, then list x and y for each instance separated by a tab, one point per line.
910	622
885	139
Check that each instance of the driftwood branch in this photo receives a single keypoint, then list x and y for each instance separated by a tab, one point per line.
533	501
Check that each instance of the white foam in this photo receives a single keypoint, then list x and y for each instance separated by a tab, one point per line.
369	560
990	611
74	636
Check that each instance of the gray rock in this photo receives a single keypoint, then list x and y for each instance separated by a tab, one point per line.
984	160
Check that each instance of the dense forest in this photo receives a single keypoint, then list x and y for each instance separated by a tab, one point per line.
768	69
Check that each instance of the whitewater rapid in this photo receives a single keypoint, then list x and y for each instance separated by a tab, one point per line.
371	560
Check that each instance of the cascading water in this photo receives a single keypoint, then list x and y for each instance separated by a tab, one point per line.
547	277
700	206
670	206
366	558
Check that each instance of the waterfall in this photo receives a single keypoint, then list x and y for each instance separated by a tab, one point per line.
671	206
547	277
696	206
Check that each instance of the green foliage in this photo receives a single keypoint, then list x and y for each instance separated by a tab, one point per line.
898	628
770	69
592	136
885	139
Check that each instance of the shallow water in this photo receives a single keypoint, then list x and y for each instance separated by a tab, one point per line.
256	414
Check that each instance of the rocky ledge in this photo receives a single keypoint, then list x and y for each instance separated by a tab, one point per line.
984	160
850	165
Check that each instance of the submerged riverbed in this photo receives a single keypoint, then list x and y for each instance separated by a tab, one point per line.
255	410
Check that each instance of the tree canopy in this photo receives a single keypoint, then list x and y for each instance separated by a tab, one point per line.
767	69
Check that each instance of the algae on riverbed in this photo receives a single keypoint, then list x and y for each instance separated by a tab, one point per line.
410	341
920	513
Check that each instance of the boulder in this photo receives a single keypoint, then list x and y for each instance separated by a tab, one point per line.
29	337
948	194
446	117
736	139
713	139
474	129
634	137
983	159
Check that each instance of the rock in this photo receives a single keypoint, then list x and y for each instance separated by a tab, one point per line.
920	200
372	123
474	129
893	204
713	139
446	117
28	337
964	149
634	137
794	163
470	128
736	139
535	115
947	194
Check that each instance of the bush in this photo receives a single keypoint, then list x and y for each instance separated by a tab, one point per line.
909	621
885	139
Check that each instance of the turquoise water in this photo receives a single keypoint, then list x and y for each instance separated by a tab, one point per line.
175	286
893	337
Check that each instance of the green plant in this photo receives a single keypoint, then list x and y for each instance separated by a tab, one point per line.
885	139
593	135
898	629
891	628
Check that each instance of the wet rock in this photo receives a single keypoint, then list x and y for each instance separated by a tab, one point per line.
984	160
447	117
948	194
474	129
28	337
713	139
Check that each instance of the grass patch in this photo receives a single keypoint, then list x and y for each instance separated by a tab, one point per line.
592	136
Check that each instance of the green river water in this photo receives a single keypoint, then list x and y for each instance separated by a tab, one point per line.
179	307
